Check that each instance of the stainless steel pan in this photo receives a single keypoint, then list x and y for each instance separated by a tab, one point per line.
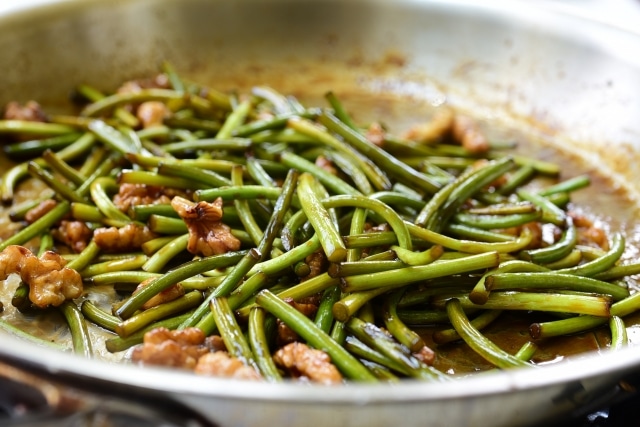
559	76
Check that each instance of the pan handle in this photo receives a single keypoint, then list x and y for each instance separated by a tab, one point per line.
29	400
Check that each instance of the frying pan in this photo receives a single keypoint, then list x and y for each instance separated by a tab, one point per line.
561	77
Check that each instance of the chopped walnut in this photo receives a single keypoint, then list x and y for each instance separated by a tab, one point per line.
317	263
468	134
141	194
50	282
375	134
285	335
588	233
31	111
11	260
75	234
152	113
127	238
171	293
160	81
207	234
215	343
220	364
308	307
303	361
594	236
39	211
432	131
180	348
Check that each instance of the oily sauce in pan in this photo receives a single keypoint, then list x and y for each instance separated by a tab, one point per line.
603	201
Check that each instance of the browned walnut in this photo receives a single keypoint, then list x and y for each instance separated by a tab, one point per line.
286	335
152	113
308	307
317	263
75	234
445	123
159	81
127	238
180	348
141	194
434	130
220	364
49	281
207	234
466	132
31	111
588	232
303	361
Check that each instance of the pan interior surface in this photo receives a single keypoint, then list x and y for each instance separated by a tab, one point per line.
557	79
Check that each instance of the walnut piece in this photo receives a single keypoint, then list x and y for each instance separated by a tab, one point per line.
445	123
589	233
207	234
124	239
159	81
50	282
285	335
180	348
466	131
141	194
317	262
189	349
432	131
220	364
31	111
152	113
303	361
308	307
75	234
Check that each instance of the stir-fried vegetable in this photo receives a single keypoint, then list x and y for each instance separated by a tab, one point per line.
251	236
